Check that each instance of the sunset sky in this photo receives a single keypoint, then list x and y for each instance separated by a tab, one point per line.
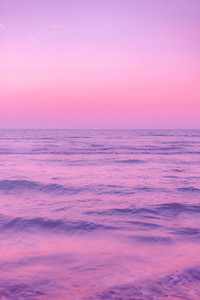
99	64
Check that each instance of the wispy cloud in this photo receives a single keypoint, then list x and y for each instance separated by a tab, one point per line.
2	26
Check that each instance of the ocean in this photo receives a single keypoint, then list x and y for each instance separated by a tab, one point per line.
100	214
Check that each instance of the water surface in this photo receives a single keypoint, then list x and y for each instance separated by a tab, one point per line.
100	214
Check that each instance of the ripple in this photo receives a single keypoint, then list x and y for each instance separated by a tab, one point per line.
178	285
153	239
53	226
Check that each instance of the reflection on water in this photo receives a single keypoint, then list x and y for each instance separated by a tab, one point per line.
92	215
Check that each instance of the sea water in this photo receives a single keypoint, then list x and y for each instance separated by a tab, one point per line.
100	214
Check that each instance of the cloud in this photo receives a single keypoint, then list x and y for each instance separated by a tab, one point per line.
2	26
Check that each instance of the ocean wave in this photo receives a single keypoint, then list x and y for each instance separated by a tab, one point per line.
131	161
144	225
99	189
53	188
53	226
191	233
72	147
110	189
152	239
177	170
14	185
168	210
187	231
21	291
189	189
151	189
178	207
97	152
122	211
177	285
124	190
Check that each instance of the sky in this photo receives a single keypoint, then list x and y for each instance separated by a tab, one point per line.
99	64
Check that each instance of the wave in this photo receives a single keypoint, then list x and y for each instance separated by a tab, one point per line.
28	185
97	189
158	211
45	151
178	208
131	161
124	190
145	225
53	226
189	189
169	286
191	233
152	239
22	291
14	185
177	170
110	189
124	212
73	146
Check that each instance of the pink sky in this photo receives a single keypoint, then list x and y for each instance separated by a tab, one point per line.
99	64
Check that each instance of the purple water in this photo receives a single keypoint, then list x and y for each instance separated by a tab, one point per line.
96	214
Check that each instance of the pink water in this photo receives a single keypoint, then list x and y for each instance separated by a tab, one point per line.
92	215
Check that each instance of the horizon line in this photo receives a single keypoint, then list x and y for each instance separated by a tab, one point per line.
99	128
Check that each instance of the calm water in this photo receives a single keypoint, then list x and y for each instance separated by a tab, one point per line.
92	215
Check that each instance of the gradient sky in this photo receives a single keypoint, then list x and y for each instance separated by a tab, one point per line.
99	64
